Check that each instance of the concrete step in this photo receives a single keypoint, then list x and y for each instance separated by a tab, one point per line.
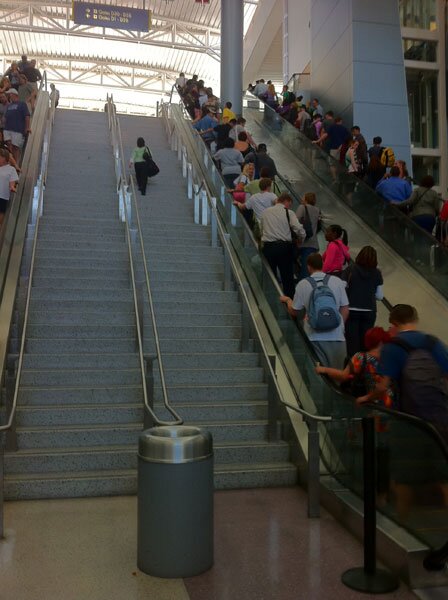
51	345
111	414
71	485
208	360
124	482
75	273
80	377
114	254
113	261
177	275
99	435
86	229
87	361
216	376
80	331
187	319
237	475
52	293
159	287
75	243
48	460
66	396
68	283
71	306
94	238
195	332
77	317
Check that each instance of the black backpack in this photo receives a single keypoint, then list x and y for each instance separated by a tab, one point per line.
423	391
307	225
310	130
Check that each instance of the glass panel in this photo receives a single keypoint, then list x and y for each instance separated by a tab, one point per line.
420	50
426	165
421	250
420	14
412	462
423	108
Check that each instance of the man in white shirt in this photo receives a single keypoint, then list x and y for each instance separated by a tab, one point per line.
260	89
261	201
278	225
8	181
180	82
329	345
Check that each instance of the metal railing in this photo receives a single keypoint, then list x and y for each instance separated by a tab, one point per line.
127	209
17	260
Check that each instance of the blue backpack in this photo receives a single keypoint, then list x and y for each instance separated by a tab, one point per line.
323	313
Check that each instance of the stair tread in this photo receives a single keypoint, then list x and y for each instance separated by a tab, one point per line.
131	405
133	425
132	448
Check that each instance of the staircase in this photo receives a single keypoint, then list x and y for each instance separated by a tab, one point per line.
210	381
80	401
79	407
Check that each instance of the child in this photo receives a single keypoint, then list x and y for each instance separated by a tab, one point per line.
337	252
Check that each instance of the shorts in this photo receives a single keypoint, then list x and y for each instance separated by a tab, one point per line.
14	137
3	206
336	153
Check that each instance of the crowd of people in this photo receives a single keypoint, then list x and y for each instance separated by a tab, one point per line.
377	166
334	297
18	95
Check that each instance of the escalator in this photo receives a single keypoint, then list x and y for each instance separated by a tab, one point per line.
414	266
411	455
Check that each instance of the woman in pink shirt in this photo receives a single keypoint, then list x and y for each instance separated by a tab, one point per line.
337	252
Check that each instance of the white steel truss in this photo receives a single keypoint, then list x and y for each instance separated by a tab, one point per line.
110	73
54	18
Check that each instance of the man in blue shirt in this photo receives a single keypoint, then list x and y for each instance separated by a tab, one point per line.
394	188
337	136
17	123
205	126
404	322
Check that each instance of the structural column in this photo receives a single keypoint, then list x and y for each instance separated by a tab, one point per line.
232	26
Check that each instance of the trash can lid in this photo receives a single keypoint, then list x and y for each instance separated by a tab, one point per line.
175	444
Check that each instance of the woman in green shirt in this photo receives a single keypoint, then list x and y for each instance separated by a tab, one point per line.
141	170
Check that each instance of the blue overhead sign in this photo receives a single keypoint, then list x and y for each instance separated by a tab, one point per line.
116	17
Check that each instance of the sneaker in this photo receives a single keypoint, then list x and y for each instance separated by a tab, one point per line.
437	559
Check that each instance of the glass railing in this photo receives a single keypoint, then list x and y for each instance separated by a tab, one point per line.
406	446
420	250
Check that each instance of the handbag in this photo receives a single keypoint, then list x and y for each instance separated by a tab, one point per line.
151	168
295	239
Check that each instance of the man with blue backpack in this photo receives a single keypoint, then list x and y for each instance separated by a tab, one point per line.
324	300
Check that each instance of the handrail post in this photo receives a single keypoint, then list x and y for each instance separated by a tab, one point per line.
196	203
313	469
245	322
214	223
272	403
204	207
227	266
148	420
140	315
368	578
184	162
10	388
157	108
190	181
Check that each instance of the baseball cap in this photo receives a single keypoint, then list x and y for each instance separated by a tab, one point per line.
12	91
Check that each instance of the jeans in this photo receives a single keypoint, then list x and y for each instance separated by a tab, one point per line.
303	255
357	324
426	222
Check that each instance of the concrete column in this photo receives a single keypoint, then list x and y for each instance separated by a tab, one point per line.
232	24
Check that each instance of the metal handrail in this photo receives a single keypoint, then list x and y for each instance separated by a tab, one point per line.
114	126
43	171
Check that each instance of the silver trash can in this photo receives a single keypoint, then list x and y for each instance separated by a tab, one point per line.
175	501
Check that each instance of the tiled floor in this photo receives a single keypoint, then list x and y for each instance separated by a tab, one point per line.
265	549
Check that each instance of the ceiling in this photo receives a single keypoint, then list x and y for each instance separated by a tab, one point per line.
185	36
